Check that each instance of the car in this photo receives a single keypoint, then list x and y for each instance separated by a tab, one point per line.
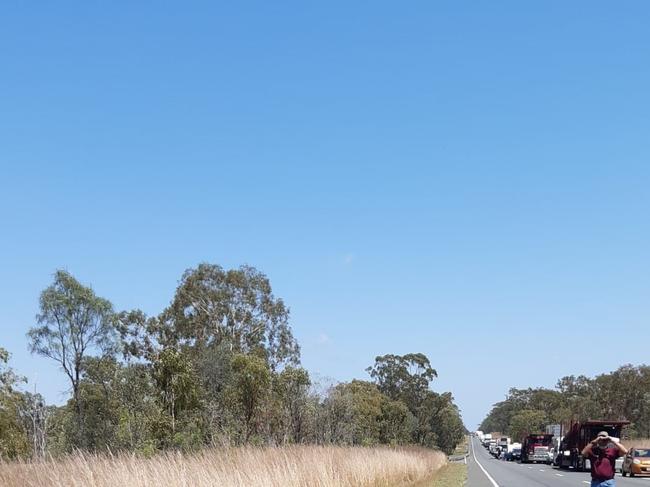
636	462
514	455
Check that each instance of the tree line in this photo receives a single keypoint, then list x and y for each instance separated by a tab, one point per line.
218	367
623	394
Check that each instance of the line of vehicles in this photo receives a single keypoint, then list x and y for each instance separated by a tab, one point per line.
563	448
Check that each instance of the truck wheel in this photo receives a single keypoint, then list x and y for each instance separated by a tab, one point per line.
632	474
576	465
623	472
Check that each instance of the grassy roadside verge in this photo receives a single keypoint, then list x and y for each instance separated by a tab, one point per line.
451	475
463	447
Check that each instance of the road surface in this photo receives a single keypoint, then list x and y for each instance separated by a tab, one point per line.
486	471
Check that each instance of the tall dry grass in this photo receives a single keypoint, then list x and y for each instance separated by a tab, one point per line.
298	466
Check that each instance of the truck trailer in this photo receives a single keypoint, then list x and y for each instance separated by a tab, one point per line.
536	448
576	438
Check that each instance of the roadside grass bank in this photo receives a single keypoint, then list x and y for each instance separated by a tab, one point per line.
462	448
295	466
451	475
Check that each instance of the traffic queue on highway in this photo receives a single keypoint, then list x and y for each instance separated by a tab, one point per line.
563	449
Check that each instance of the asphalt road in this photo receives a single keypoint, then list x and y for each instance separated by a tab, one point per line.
486	471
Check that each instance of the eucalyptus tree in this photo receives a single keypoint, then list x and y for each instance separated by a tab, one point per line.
73	323
403	377
236	308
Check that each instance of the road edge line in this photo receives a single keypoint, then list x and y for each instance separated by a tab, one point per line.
481	466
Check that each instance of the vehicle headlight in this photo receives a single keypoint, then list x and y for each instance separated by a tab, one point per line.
636	461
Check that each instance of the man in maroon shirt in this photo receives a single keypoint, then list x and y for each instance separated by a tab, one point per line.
602	452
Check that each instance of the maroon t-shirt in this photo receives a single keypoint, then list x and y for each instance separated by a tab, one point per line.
603	463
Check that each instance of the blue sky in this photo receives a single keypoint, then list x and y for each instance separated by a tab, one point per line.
464	179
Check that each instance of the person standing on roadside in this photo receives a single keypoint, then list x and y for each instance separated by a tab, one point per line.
602	452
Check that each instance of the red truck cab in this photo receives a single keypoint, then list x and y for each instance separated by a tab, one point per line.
537	448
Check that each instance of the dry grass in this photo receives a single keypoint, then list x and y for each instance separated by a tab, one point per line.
237	467
452	475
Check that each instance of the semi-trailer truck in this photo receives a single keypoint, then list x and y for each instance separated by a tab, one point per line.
576	438
536	448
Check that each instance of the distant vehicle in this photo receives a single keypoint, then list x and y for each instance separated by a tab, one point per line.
504	443
536	448
514	455
494	449
636	462
579	434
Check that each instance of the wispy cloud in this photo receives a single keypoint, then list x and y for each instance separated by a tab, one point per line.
349	258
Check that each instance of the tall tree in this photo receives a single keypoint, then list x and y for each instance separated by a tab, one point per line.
73	322
213	306
406	378
13	438
178	384
291	388
249	392
362	403
528	421
403	377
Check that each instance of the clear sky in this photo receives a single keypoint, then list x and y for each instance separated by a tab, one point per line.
464	179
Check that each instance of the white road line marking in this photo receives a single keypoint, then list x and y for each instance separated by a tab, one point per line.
585	482
542	470
559	475
494	484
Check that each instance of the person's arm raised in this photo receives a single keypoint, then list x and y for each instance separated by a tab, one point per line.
619	446
586	451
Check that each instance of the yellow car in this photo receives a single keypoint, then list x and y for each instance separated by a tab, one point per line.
637	462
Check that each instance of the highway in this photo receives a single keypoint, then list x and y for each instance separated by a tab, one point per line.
486	471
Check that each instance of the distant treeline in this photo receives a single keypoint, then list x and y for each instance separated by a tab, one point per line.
620	395
219	366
